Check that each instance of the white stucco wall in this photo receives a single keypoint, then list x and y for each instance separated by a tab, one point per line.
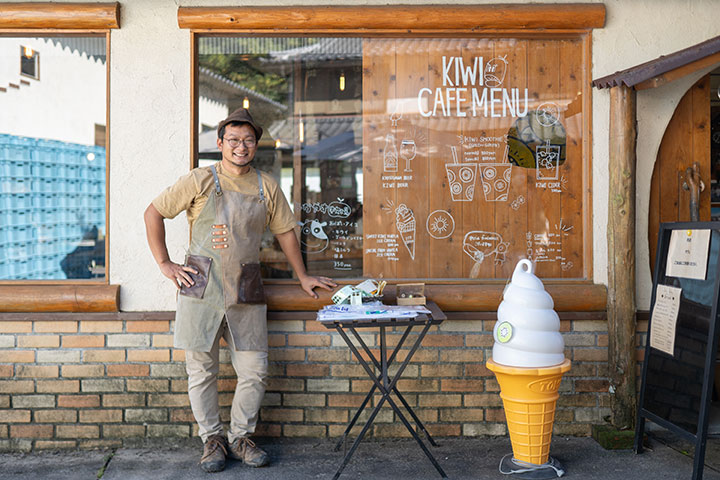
665	27
32	110
150	115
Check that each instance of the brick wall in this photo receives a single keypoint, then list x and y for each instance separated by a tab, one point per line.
103	380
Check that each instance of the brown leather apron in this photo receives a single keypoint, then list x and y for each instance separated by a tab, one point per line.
197	320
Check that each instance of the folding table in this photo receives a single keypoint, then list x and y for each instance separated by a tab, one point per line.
384	383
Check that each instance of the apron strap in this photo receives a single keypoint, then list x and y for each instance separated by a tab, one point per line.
218	190
262	193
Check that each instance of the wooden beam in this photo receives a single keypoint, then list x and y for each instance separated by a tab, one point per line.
582	297
34	15
470	18
679	72
59	298
621	256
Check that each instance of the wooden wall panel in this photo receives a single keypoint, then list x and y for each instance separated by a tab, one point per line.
411	191
571	173
445	256
378	202
490	230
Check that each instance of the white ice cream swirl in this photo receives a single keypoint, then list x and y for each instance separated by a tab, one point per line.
527	333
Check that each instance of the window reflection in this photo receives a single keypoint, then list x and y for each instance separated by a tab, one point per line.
52	158
307	94
414	157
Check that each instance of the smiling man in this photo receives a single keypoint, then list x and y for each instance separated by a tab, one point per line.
228	205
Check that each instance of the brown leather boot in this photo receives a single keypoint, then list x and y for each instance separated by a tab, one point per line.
245	450
214	451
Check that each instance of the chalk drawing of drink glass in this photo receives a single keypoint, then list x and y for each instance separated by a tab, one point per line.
547	158
396	114
408	150
495	71
390	154
461	178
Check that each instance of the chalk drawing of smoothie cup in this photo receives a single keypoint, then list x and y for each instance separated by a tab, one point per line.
495	71
461	178
547	158
496	181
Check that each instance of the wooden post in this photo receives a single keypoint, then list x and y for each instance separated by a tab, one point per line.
621	257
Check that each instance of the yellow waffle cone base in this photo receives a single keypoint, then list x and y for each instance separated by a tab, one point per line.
529	396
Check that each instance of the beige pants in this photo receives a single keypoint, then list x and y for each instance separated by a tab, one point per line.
202	368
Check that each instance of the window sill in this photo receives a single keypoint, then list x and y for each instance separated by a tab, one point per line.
59	298
576	297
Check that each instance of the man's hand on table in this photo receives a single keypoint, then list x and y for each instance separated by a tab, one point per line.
309	282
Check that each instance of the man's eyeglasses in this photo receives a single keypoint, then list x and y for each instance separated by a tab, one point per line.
235	142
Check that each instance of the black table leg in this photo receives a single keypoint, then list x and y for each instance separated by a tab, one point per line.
355	418
385	389
395	390
374	413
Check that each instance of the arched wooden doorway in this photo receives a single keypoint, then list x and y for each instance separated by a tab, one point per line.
686	140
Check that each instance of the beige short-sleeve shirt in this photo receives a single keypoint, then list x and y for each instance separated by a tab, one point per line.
190	194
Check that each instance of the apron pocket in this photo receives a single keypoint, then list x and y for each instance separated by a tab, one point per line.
202	265
250	287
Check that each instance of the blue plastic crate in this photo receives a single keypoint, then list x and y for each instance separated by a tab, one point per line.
21	168
47	199
20	233
45	247
21	201
49	215
20	152
6	202
19	218
48	170
16	185
4	270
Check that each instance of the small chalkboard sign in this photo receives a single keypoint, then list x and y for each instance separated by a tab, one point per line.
680	355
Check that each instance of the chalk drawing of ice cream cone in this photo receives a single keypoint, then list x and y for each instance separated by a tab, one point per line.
405	223
546	161
461	178
495	71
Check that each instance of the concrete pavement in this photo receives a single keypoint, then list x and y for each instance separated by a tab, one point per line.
298	459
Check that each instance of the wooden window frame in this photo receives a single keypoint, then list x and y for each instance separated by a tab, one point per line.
520	21
47	19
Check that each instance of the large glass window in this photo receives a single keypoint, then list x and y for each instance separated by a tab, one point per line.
52	157
435	158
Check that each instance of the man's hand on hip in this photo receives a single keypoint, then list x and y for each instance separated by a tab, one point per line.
177	273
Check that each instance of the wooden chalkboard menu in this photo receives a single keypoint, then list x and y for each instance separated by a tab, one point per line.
474	156
680	354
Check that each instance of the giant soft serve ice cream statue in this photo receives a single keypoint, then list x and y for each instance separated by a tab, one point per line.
528	360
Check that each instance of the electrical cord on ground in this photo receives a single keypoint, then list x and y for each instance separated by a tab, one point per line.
528	467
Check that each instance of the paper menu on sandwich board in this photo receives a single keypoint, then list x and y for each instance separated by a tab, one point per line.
688	254
664	318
